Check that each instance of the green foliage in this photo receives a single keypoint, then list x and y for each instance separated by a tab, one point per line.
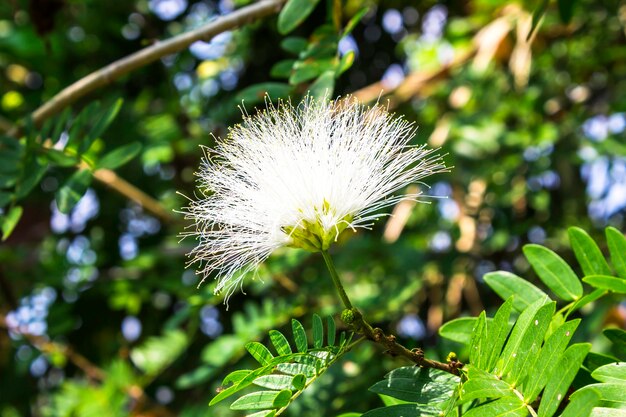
159	352
506	135
534	369
9	221
288	373
24	162
294	13
427	392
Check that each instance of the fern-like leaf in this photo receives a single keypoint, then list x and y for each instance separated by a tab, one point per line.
284	376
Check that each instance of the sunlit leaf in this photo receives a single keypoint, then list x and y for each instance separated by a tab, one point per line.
261	400
299	336
608	283
404	410
280	342
416	384
587	252
522	326
497	331
294	13
541	371
617	247
157	353
614	372
10	220
73	190
256	93
581	405
458	330
120	156
318	331
502	407
507	285
260	353
554	272
559	382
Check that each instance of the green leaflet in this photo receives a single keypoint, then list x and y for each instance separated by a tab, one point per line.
331	331
583	301
587	253
286	374
498	331
507	285
613	372
617	246
545	364
420	385
73	190
404	410
479	342
8	222
324	85
318	332
294	13
611	394
481	384
299	335
554	272
120	156
294	44
458	330
530	345
280	342
503	407
608	283
581	405
524	321
260	353
559	382
607	412
261	400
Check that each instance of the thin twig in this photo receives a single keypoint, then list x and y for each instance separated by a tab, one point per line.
353	318
46	346
393	348
115	182
417	82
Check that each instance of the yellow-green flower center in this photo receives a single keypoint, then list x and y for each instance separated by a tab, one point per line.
316	236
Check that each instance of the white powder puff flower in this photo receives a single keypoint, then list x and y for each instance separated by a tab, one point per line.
299	177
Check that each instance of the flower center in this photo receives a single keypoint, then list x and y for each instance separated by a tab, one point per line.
318	234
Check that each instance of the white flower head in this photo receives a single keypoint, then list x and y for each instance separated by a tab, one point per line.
299	176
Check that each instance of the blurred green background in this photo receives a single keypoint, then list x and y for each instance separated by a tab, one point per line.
99	315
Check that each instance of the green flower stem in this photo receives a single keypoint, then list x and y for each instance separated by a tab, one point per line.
335	276
353	318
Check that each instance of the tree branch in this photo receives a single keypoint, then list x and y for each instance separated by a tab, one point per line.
393	348
123	187
143	57
482	50
46	346
115	70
